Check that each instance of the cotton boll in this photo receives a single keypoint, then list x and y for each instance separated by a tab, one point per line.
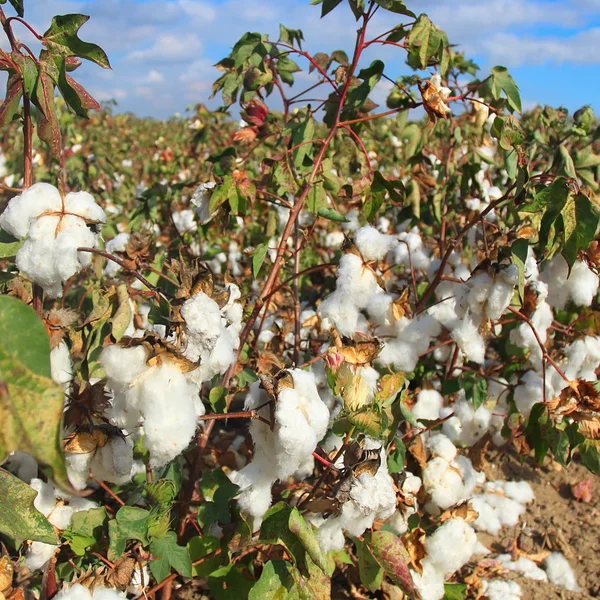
523	565
203	320
520	491
83	205
123	365
529	392
45	501
428	405
466	334
440	445
74	592
502	590
443	484
117	244
339	309
356	280
583	284
22	210
334	240
560	572
468	425
78	469
451	546
380	309
38	554
501	292
61	368
430	583
372	244
201	200
167	404
21	464
102	593
352	223
301	420
184	220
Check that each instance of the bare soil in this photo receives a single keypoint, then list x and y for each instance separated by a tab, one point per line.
555	521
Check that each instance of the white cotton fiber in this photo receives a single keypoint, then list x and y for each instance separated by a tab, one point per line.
440	445
61	368
372	244
451	546
498	589
528	392
430	583
466	334
580	285
79	592
560	572
53	229
524	566
201	200
428	405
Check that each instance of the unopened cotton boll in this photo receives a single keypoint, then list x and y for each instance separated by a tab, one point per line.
560	572
53	229
372	244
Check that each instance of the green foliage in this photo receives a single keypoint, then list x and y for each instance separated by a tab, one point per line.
19	519
169	555
31	404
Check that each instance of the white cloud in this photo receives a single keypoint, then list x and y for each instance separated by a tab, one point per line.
513	50
155	77
169	48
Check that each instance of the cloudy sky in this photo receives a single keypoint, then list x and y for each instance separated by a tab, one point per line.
162	51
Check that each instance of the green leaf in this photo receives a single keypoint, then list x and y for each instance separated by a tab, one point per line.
302	134
475	390
12	100
31	404
168	554
258	258
328	5
229	583
317	198
122	318
299	527
396	459
217	398
61	38
217	491
389	551
86	529
589	452
8	245
19	519
502	81
331	214
580	221
276	582
396	6
29	71
130	523
518	253
199	547
17	5
369	570
455	591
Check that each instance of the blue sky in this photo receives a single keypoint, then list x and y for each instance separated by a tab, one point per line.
162	51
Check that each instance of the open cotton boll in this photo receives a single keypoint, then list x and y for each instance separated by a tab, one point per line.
410	251
413	339
61	368
580	285
80	592
356	280
440	445
117	244
429	583
583	284
201	200
301	421
466	334
468	425
184	220
451	546
334	239
372	244
560	572
471	297
528	392
339	310
502	590
428	405
22	210
495	512
53	230
371	497
501	292
524	566
167	402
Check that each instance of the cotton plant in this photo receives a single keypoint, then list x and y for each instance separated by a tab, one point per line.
58	508
369	496
53	228
285	447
